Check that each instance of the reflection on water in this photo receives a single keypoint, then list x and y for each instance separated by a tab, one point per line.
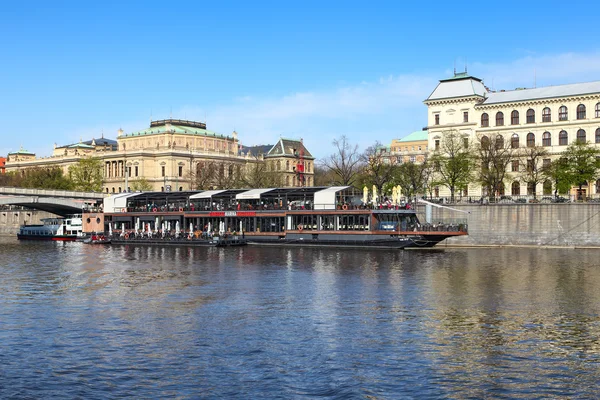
94	321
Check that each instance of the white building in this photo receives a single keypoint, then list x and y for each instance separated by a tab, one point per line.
552	117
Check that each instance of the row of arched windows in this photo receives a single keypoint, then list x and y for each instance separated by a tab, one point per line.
563	115
563	139
515	188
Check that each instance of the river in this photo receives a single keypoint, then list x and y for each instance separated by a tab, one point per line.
94	322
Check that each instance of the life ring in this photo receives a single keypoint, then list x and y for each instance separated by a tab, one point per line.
345	207
300	227
154	209
126	236
180	209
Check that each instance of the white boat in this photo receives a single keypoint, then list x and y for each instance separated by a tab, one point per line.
62	229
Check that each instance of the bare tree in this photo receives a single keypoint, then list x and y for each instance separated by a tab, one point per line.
261	174
379	168
530	164
344	162
494	154
203	177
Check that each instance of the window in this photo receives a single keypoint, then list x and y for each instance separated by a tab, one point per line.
581	111
546	139
563	138
581	136
598	135
499	118
136	170
530	140
485	119
598	110
485	142
562	113
515	166
546	162
129	172
162	170
547	187
437	144
530	116
466	142
437	119
546	115
514	141
499	142
514	118
529	165
515	189
465	116
531	189
180	170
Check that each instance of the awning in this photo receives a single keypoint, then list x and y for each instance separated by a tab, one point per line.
206	194
252	194
325	199
117	201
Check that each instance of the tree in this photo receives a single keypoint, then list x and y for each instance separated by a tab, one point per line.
530	162
259	175
583	165
344	162
494	156
39	178
453	162
141	185
86	174
558	173
412	178
204	175
378	166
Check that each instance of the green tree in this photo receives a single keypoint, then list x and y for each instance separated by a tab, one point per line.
453	162
41	178
141	185
558	173
583	165
412	178
86	174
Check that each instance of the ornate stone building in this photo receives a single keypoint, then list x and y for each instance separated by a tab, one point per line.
551	117
411	148
170	155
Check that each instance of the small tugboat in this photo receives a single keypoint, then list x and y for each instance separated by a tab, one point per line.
97	239
56	229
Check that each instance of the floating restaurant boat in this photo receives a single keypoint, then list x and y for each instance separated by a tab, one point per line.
302	216
59	229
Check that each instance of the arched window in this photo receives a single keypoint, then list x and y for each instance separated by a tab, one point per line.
581	136
287	181
581	111
547	187
530	116
563	138
530	140
499	142
598	110
514	118
287	165
562	113
546	115
485	120
546	139
278	165
499	118
485	142
515	189
598	186
598	135
514	141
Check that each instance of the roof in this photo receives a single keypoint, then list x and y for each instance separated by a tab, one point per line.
415	136
252	194
181	129
288	147
461	85
573	89
256	150
81	145
22	152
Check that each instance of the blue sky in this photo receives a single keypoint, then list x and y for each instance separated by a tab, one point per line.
267	69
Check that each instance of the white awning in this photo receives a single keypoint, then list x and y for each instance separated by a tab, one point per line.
252	194
117	202
325	199
207	194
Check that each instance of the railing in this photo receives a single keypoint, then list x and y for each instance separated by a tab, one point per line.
514	199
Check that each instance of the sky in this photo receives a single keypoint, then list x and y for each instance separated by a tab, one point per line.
311	70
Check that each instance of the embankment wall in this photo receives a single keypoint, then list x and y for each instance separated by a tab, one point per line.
565	225
11	220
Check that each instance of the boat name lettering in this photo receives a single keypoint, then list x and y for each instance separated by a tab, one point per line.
232	214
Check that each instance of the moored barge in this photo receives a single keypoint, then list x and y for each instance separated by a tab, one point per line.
303	216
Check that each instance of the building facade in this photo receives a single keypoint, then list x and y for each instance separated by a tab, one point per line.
550	117
411	148
170	155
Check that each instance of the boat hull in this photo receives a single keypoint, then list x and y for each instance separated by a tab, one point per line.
63	238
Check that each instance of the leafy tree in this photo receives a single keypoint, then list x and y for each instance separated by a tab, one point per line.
86	174
452	163
40	178
141	185
344	163
582	161
530	162
558	173
412	178
494	155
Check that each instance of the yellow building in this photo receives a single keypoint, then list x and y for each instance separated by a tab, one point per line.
171	155
411	148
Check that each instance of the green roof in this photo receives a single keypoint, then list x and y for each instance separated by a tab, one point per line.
186	130
22	151
81	145
415	136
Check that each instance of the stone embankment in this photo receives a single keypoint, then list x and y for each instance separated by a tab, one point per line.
11	218
562	225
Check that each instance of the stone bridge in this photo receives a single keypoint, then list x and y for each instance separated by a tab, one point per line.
59	202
